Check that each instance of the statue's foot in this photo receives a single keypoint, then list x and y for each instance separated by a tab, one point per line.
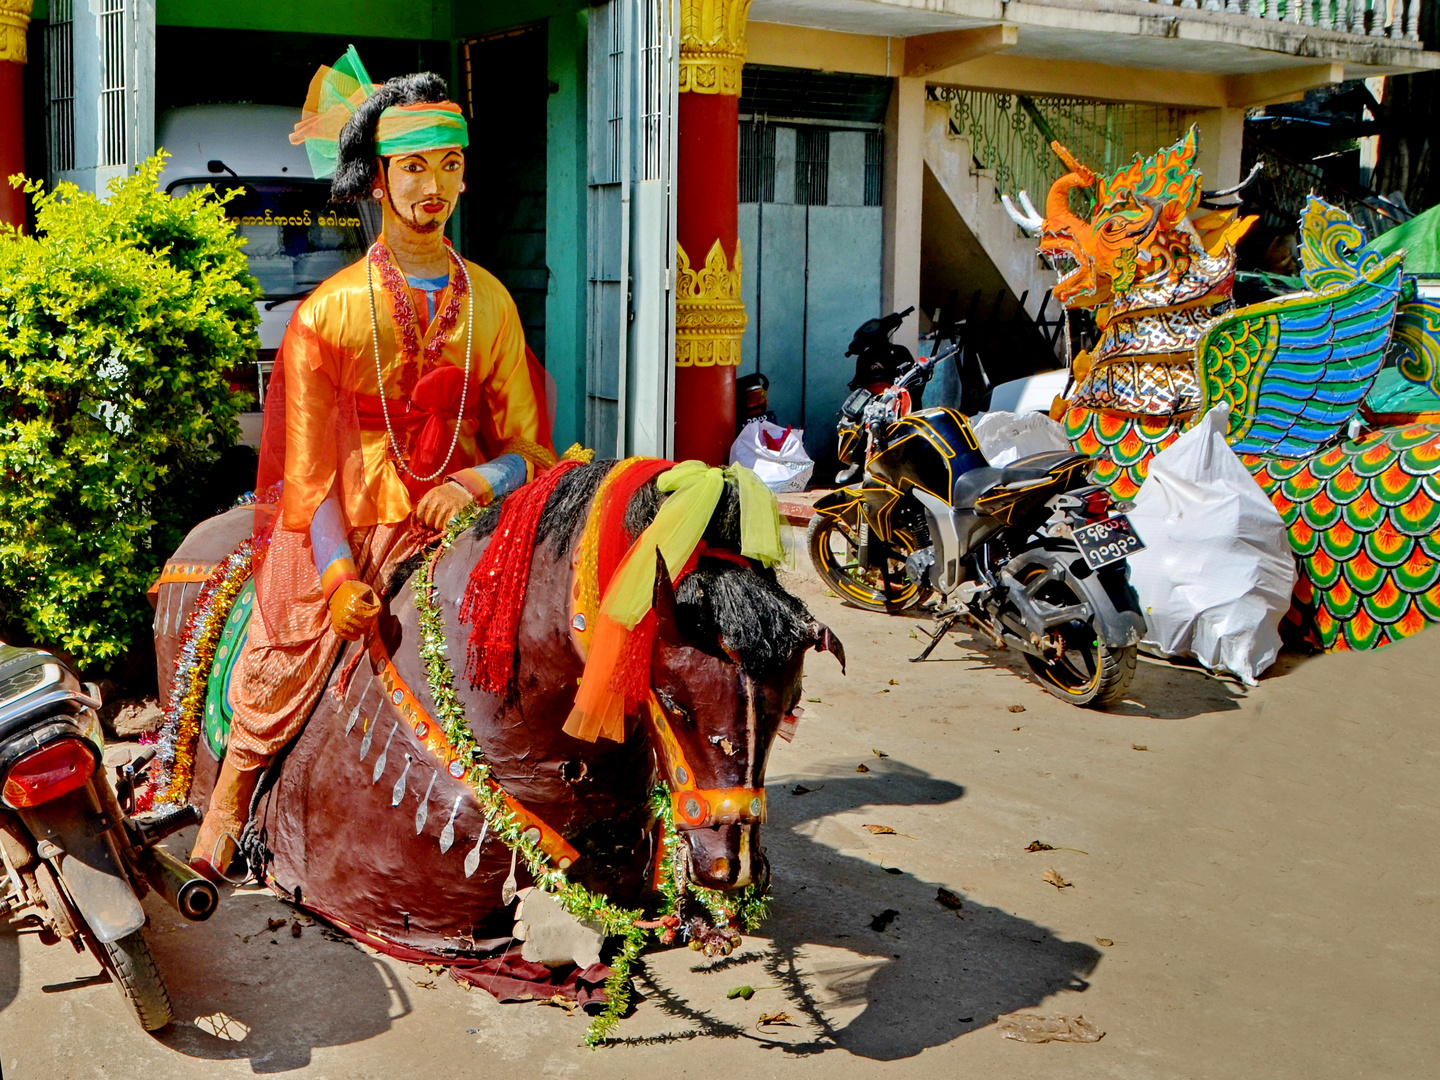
216	843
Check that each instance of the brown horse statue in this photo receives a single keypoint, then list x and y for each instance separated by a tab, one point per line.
360	822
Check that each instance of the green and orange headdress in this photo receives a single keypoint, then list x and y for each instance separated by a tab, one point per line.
337	93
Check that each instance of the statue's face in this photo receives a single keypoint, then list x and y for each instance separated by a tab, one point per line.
422	188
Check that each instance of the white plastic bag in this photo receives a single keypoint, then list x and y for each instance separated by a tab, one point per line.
776	454
1005	437
1216	574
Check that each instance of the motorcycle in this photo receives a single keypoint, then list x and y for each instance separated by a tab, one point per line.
1032	555
76	862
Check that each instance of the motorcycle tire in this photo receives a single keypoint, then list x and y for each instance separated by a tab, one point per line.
1088	673
135	975
862	588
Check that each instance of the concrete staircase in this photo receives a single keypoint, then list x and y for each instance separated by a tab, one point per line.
968	241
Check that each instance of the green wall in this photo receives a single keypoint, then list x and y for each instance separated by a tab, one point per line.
424	19
566	173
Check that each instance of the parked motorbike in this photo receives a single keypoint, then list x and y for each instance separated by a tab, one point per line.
76	861
1032	555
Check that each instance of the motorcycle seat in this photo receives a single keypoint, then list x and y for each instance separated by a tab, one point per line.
974	485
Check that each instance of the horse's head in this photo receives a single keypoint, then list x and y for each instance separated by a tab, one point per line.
729	649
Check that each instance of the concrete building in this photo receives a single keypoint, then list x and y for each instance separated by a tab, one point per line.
875	139
918	115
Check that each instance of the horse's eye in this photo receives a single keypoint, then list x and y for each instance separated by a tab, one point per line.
673	707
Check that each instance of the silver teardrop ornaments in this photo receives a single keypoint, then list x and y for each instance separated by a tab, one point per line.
512	885
447	834
422	812
472	861
380	761
397	793
368	739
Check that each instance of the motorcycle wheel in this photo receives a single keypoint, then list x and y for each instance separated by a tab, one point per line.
135	975
1088	673
834	552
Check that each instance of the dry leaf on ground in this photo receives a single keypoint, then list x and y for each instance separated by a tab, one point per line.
1032	1028
1038	845
946	898
272	925
1138	746
881	922
1052	877
878	753
1017	708
1105	941
862	768
886	830
774	1018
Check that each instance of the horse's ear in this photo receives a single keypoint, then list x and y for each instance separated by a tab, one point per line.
824	640
667	624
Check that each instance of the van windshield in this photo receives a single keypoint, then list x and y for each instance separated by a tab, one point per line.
296	238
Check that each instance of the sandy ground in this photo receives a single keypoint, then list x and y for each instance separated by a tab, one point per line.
1254	895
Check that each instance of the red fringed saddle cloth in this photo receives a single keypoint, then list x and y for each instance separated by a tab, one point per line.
495	595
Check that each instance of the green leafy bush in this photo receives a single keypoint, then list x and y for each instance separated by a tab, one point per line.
120	319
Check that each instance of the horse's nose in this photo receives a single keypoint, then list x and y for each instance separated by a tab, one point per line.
726	856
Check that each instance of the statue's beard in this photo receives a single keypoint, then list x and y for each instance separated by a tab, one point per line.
412	220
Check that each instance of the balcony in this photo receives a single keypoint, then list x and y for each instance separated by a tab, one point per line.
1260	48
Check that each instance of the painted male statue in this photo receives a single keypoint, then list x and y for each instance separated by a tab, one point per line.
403	391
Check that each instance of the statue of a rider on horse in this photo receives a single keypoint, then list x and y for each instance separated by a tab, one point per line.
430	663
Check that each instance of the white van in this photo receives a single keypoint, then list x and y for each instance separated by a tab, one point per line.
295	238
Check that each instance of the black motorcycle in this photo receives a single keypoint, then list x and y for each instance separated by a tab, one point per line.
1031	555
76	861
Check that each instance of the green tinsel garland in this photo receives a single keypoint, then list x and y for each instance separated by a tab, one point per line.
573	897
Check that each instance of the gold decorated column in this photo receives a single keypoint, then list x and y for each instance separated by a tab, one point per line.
709	315
14	21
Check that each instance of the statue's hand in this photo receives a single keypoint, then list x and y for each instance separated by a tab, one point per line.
353	608
441	503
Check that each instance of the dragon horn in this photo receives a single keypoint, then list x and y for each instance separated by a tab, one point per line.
1030	221
1028	205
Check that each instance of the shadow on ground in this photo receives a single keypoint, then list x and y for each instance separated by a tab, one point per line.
1162	690
930	975
235	968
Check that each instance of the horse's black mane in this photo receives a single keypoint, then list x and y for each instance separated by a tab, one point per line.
747	610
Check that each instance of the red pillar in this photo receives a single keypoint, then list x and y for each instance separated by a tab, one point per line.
709	315
14	20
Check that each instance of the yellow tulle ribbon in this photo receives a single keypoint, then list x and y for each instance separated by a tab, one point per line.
695	489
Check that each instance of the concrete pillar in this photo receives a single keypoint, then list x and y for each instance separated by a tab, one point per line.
14	21
114	83
1222	139
709	314
903	185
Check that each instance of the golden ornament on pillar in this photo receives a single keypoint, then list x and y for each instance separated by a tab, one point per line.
712	45
14	19
709	314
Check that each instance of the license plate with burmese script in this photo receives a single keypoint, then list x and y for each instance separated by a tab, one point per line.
1107	541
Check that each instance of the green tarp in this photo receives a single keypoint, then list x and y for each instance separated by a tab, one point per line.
1420	237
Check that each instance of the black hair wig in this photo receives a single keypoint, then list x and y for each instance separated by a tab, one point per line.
355	150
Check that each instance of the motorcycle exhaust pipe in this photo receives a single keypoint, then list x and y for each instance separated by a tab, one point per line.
187	892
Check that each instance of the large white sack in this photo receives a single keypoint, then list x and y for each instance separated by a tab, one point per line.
776	454
1216	574
1005	437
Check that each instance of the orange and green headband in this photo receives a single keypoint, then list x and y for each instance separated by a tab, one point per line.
412	129
337	92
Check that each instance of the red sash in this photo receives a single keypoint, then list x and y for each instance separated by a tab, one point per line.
433	408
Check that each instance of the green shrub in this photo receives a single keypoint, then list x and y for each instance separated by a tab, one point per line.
120	319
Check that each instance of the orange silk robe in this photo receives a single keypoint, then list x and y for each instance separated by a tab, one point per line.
329	357
328	353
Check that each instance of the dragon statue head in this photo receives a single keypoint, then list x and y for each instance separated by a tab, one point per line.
1146	235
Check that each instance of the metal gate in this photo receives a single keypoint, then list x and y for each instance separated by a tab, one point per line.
810	234
630	374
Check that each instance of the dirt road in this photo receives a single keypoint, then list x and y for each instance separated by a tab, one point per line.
1252	892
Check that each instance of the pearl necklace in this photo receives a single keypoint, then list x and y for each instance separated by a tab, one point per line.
380	377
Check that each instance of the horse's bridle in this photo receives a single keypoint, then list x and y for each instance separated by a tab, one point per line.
695	807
